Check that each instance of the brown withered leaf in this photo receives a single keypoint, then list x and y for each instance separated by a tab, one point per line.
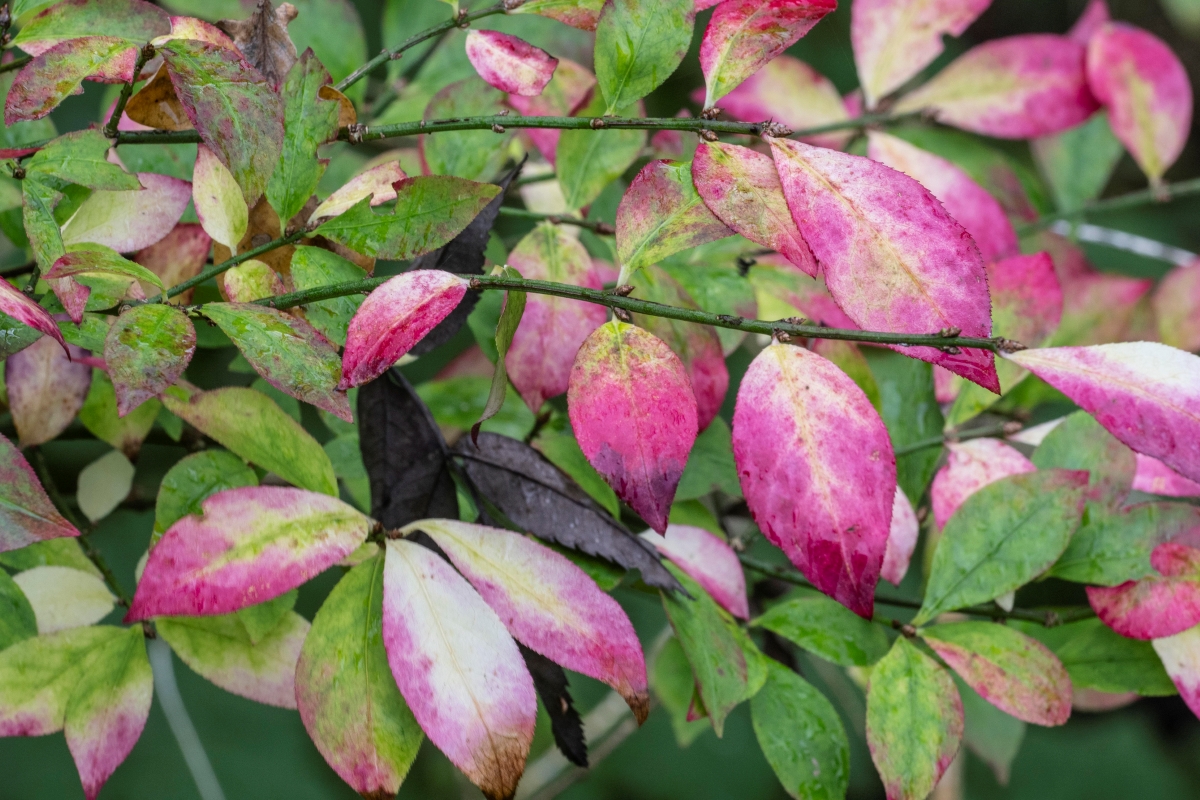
264	41
346	113
157	105
262	228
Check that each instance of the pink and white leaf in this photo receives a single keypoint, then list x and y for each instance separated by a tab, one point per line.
972	465
548	604
567	91
378	183
892	257
1018	87
26	513
393	318
902	539
1154	477
967	201
130	220
46	388
1027	298
251	545
510	64
1094	17
893	40
458	668
789	91
1155	607
633	412
743	35
21	307
1144	393
741	187
709	561
1180	656
817	470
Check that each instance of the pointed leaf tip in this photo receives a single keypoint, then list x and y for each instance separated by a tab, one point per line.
510	64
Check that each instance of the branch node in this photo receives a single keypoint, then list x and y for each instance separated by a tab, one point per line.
18	172
355	132
729	319
950	349
1011	427
950	333
597	123
707	135
622	315
476	283
497	129
604	229
906	630
462	21
1053	620
624	290
711	113
512	5
797	321
781	336
773	129
1008	345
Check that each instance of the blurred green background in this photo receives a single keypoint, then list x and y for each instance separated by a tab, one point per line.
1148	750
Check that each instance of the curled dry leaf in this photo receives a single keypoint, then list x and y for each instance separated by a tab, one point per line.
817	470
146	350
893	259
46	388
1144	393
1158	606
251	545
1019	87
219	203
789	91
263	39
1146	91
26	513
971	466
378	183
510	64
707	560
634	414
743	35
902	539
458	668
548	604
395	317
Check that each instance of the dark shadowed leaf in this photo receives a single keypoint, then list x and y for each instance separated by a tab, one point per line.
551	684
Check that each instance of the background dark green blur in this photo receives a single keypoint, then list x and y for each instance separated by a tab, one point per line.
1149	750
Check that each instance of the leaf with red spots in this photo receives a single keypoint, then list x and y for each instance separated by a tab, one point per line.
582	14
893	258
510	64
1158	606
26	513
146	350
57	72
136	21
633	411
817	470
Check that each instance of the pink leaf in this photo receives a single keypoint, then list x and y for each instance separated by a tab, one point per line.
1093	18
743	35
1027	298
130	220
1180	656
1177	306
458	668
817	470
552	328
378	183
971	466
633	411
178	256
46	388
893	40
395	317
967	201
1019	87
1155	477
1147	93
776	278
510	64
251	545
741	187
26	513
548	604
902	539
893	259
709	561
1155	607
789	91
21	307
1146	394
567	91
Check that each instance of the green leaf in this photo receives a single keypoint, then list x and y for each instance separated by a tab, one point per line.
251	425
639	43
192	479
586	161
909	407
346	455
235	110
1078	162
825	627
16	615
86	260
1114	546
79	157
308	121
313	267
89	334
147	349
710	276
459	402
347	696
1097	657
557	443
672	682
1002	537
474	155
262	618
16	336
510	318
53	553
715	647
136	22
429	212
37	214
99	415
1079	442
333	29
914	721
710	465
990	733
801	736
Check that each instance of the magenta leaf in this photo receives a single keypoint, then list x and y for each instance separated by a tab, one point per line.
743	35
395	317
251	545
146	350
707	560
1019	87
26	513
971	466
510	64
20	307
548	604
741	187
967	201
1155	477
570	88
902	539
1146	394
46	388
1146	91
1155	607
634	414
1093	18
817	470
893	258
791	92
458	668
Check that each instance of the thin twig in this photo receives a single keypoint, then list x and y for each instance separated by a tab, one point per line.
595	226
171	701
144	54
1160	194
954	436
217	269
16	63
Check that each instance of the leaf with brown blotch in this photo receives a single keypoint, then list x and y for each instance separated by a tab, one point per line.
264	41
157	106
